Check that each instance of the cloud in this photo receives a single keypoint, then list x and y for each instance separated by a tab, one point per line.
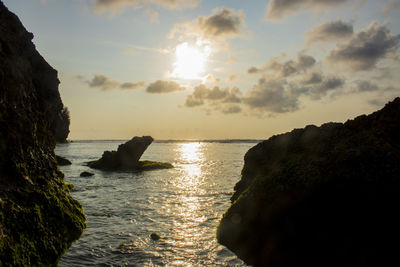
153	15
282	67
130	85
317	91
115	5
231	109
365	86
390	6
279	9
280	95
253	70
223	23
363	51
223	99
192	101
330	31
272	96
103	82
233	78
106	83
211	79
313	78
163	87
224	95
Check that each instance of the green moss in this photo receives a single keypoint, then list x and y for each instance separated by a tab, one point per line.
155	236
41	227
154	165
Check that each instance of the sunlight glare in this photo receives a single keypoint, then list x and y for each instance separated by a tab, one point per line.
192	157
190	61
190	152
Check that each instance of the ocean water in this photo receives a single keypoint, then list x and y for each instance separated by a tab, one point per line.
183	205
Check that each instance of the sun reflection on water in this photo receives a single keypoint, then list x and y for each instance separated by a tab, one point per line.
191	152
189	193
191	157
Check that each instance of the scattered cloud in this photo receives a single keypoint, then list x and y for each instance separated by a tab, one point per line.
366	47
153	15
118	5
365	86
106	83
312	78
279	9
163	87
330	83
103	82
253	70
223	99
192	101
130	85
233	78
279	95
390	6
211	79
328	31
223	23
231	109
282	67
272	96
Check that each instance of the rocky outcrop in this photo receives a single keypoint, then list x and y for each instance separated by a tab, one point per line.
61	127
38	218
86	174
61	161
320	196
126	158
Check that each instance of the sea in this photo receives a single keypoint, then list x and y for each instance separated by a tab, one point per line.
182	205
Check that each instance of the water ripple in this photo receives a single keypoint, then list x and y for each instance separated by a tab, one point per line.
183	205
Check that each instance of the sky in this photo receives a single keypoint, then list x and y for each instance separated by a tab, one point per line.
220	69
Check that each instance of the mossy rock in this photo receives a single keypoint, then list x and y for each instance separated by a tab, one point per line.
148	165
155	236
39	219
145	165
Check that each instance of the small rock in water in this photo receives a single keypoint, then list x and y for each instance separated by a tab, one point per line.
155	236
62	161
86	174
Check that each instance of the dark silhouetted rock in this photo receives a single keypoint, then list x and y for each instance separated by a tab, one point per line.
155	236
38	218
62	123
86	174
62	161
320	196
126	158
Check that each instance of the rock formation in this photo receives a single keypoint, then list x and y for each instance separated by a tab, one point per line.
126	158
61	161
320	196
86	174
38	218
61	127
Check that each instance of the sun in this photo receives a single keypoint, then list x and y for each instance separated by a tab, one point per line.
190	61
